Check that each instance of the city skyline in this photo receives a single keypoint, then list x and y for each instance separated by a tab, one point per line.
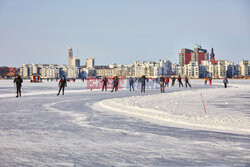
121	32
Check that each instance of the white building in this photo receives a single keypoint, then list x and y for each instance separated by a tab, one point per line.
164	67
244	68
221	69
90	62
191	70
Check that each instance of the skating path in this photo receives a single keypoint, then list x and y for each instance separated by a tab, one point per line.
41	129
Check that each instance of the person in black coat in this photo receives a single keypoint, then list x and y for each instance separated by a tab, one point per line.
104	83
179	80
18	80
62	84
143	83
173	81
225	81
187	82
162	81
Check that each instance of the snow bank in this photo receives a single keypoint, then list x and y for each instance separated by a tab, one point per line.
227	109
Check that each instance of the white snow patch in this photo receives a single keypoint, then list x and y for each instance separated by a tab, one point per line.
225	110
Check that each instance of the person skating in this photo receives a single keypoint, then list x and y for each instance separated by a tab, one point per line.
167	81
225	81
162	80
173	81
205	81
105	83
131	84
179	80
143	83
210	80
62	84
18	80
115	83
187	82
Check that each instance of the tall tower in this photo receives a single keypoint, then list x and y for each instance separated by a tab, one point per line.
212	56
70	58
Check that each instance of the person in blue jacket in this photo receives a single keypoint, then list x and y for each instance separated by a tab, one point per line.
131	84
115	84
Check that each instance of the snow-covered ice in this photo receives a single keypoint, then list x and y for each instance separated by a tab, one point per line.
94	128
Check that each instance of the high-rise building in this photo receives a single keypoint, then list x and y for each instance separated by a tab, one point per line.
90	62
244	67
199	54
70	57
188	55
185	56
72	61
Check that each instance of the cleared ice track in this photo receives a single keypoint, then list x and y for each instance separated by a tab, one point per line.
47	130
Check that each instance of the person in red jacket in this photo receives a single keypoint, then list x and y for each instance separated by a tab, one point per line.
62	84
166	81
179	80
210	80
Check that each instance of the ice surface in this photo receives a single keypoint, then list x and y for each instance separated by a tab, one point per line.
94	128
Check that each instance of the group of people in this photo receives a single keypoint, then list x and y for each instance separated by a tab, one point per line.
163	81
208	79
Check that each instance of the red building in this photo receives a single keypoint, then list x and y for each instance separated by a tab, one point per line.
199	54
185	56
7	72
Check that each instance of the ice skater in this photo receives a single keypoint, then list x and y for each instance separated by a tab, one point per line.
166	81
205	81
162	81
187	82
62	84
105	83
179	80
18	80
210	80
225	81
173	81
115	84
143	83
131	84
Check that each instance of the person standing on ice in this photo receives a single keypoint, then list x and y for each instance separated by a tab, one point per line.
205	83
166	81
187	82
115	84
143	83
173	81
131	84
225	81
62	84
210	80
105	83
162	81
18	80
179	80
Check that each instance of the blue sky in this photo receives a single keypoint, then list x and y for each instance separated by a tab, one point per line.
41	31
